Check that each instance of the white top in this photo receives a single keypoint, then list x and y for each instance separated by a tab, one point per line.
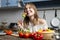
36	27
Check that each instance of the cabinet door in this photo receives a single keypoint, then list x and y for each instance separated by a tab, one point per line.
13	3
0	3
33	0
4	3
30	0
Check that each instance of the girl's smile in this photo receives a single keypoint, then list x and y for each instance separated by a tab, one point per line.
30	11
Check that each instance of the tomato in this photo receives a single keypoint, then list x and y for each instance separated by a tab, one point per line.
26	35
8	32
5	30
31	35
21	34
37	36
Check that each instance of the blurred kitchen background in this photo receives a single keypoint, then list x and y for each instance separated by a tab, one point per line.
11	10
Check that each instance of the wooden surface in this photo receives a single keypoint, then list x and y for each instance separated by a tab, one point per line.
16	37
9	37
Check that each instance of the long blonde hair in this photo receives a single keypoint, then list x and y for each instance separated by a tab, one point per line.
26	19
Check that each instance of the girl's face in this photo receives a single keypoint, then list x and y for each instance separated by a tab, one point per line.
30	11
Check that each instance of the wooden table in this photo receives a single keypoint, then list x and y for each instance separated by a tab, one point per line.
9	37
16	37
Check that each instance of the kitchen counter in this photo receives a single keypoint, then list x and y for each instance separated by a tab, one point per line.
15	36
8	37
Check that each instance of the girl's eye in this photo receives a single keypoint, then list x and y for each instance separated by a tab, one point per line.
29	7
25	8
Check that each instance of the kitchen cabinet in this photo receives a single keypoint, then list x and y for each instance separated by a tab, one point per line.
4	3
10	3
30	0
33	0
0	3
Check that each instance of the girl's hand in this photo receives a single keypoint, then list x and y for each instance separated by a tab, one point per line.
20	24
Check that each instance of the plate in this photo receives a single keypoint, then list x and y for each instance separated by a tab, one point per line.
1	33
55	22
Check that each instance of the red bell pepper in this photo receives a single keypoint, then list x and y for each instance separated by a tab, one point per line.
37	36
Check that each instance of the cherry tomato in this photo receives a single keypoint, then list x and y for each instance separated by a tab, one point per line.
8	32
26	35
21	34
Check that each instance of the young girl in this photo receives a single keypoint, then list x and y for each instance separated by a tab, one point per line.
31	20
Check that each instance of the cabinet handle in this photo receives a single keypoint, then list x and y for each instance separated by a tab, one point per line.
7	3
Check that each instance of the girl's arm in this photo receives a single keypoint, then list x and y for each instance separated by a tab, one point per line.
44	24
20	25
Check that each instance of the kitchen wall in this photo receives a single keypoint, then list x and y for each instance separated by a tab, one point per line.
0	3
15	15
49	14
10	15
